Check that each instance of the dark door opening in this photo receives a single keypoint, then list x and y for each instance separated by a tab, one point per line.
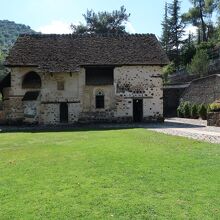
63	112
137	110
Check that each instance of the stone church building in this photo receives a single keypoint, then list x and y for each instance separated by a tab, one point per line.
57	79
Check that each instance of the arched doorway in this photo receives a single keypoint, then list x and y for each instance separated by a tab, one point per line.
64	112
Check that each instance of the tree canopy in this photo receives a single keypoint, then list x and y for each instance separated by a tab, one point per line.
193	54
172	31
103	22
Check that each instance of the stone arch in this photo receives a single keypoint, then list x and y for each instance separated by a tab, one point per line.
31	81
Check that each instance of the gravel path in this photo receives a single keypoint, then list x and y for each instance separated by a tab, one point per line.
195	129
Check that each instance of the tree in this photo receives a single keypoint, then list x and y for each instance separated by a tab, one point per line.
103	22
168	70
200	63
200	16
165	31
188	50
176	31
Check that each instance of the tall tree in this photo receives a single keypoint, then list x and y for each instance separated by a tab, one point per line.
165	31
188	50
176	29
103	22
200	16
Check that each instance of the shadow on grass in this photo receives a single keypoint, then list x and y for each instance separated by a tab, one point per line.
92	127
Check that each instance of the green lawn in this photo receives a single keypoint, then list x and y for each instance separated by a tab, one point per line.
109	174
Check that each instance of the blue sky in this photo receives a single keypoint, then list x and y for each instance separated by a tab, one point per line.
55	16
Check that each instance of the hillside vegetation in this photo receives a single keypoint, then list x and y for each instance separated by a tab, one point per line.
9	32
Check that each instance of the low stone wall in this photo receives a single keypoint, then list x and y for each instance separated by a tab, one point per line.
213	119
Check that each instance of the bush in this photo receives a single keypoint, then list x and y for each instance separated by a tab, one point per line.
203	111
214	107
184	110
187	109
194	111
180	110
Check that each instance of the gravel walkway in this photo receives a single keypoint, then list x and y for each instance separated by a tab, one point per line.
195	129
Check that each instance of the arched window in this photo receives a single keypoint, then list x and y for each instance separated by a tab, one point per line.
100	100
31	81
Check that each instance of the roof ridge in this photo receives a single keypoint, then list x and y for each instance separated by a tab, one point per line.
38	35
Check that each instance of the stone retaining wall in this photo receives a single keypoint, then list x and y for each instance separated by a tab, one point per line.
204	90
213	119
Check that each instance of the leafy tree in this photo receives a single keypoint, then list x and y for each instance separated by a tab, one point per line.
200	63
199	15
103	22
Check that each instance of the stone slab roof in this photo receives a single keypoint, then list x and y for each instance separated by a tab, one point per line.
65	53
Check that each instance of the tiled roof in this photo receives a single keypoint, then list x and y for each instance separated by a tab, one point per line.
64	53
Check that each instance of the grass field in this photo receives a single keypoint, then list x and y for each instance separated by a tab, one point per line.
109	174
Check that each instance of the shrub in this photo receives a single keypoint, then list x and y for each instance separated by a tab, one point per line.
214	107
203	111
194	111
187	109
180	110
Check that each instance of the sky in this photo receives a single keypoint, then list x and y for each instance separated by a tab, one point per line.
55	16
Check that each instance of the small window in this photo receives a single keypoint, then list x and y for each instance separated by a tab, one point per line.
100	100
60	85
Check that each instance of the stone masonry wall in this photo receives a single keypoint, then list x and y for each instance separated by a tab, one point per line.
130	82
50	97
144	82
205	90
213	119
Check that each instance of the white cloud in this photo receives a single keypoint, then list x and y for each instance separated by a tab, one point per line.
191	30
56	27
130	28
